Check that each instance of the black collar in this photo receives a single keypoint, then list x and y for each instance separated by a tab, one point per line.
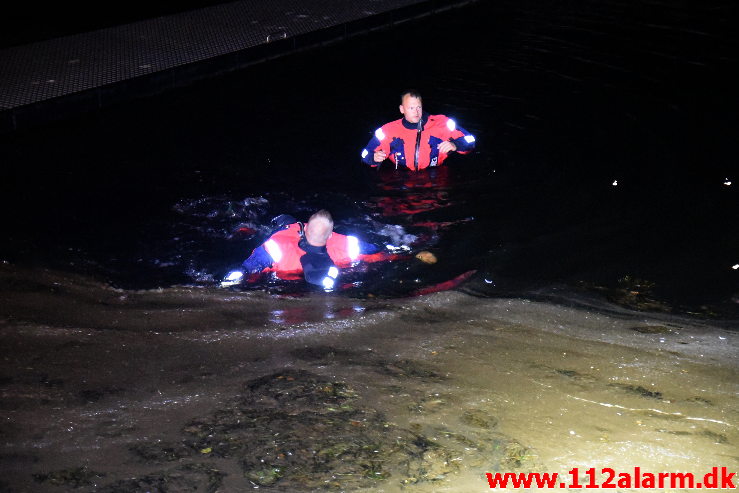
414	126
308	248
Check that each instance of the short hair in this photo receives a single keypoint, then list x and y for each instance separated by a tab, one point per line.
410	92
324	215
319	236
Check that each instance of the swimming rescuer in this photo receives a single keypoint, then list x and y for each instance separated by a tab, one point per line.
311	249
417	141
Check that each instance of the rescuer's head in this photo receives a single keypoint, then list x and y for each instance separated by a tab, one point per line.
319	228
410	106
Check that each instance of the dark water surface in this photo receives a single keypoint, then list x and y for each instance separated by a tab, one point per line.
606	145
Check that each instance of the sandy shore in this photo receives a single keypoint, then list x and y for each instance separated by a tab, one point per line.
191	389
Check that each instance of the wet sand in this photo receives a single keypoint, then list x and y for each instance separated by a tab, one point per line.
198	389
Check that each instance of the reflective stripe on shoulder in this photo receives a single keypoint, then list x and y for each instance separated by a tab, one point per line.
451	125
380	134
274	250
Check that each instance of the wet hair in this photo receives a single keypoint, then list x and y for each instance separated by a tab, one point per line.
323	216
410	92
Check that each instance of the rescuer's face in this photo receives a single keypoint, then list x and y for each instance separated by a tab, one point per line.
411	109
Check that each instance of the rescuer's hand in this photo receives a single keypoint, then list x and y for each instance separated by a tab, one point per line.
446	147
380	156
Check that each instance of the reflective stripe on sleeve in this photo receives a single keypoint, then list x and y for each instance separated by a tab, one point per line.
274	250
352	247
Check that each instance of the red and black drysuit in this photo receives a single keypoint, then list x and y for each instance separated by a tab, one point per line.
415	146
289	255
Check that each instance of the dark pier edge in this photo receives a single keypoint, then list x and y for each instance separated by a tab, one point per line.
94	99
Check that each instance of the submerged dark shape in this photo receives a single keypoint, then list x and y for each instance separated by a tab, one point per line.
638	390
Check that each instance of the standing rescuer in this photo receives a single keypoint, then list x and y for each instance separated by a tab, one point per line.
416	141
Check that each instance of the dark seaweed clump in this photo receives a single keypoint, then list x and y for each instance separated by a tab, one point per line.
297	431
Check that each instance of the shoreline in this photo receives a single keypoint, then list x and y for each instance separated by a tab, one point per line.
495	384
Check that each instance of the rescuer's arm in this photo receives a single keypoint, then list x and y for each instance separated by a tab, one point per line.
377	149
367	248
379	156
319	270
447	146
356	247
457	139
257	261
463	141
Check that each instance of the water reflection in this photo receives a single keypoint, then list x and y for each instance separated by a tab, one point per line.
299	315
405	193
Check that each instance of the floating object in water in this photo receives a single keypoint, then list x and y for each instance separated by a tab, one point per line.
615	183
735	266
727	182
426	257
446	285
